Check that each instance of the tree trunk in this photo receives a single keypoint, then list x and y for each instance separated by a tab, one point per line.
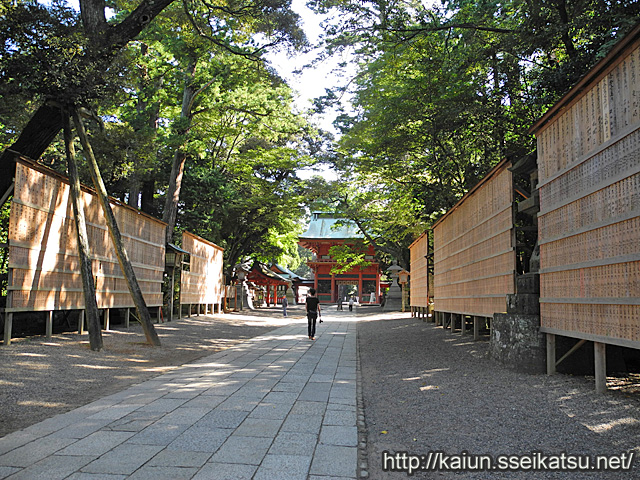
566	39
46	122
86	272
173	193
116	238
147	204
177	169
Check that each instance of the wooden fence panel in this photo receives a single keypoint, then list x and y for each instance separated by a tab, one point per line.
203	283
474	257
43	258
421	287
589	222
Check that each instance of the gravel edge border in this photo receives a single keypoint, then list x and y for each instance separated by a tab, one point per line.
363	458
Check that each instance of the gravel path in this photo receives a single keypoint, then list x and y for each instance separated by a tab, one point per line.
425	389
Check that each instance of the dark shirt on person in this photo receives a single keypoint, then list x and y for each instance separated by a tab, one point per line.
312	304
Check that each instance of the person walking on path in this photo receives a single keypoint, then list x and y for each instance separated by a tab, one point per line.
285	304
313	309
351	303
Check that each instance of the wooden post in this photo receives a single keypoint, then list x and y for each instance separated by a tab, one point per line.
116	238
127	313
8	317
452	322
86	270
159	318
49	324
551	354
8	323
106	319
189	310
600	358
476	327
171	293
463	324
81	323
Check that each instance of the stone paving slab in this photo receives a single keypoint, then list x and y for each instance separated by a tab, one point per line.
275	406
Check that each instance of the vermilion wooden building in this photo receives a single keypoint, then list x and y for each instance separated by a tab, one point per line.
322	234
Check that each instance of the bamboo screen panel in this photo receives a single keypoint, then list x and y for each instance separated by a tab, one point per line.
474	258
419	275
589	223
43	249
204	282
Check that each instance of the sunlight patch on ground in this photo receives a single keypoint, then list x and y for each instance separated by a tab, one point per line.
429	387
10	384
32	366
160	369
94	367
34	403
605	427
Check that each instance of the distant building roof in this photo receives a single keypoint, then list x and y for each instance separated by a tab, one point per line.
285	272
260	272
323	226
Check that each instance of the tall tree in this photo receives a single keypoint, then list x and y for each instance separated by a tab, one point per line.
234	29
66	65
444	92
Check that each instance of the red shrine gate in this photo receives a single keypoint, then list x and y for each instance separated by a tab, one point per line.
324	233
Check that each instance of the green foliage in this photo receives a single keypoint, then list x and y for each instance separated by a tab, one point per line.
302	269
349	257
445	92
38	45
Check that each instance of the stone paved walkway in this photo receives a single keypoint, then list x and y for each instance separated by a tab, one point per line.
278	406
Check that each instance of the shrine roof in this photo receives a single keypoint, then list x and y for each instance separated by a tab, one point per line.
260	273
285	272
325	226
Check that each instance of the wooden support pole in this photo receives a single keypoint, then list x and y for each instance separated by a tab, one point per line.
171	292
188	310
86	270
7	193
49	324
127	314
600	358
551	354
571	351
452	322
463	324
81	323
159	318
106	319
476	327
116	238
8	323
